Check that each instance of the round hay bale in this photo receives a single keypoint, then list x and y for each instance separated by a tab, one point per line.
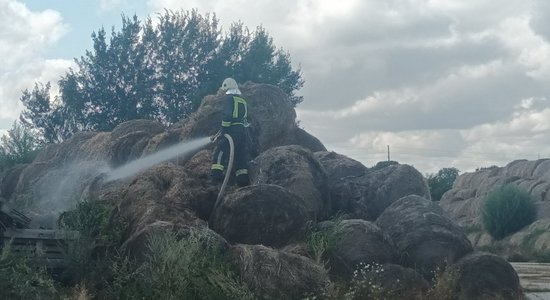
341	170
156	195
339	166
260	214
480	276
366	196
358	241
274	274
298	171
148	126
425	237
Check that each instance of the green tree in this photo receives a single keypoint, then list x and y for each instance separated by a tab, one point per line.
155	70
441	182
20	145
262	62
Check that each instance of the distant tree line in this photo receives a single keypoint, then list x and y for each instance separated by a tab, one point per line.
155	70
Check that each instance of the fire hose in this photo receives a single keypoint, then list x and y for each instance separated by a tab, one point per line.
229	165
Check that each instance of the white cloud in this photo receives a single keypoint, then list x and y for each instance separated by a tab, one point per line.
523	136
408	147
107	5
24	35
444	83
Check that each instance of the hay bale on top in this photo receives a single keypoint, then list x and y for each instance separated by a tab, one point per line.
130	138
339	166
389	184
271	116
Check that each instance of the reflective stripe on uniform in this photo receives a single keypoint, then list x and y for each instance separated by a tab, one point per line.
241	172
236	102
217	167
226	124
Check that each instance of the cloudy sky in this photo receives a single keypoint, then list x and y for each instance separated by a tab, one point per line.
443	83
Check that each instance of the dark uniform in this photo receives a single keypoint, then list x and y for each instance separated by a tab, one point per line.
234	113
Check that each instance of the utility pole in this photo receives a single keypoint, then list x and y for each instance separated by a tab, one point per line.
388	152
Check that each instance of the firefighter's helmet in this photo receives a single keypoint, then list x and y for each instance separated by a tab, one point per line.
229	84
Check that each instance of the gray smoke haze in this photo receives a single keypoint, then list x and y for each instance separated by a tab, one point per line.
61	189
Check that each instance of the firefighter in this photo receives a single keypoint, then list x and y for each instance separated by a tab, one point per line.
234	123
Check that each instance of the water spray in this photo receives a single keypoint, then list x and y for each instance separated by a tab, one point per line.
146	162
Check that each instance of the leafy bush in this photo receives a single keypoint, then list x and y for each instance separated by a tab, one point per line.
506	210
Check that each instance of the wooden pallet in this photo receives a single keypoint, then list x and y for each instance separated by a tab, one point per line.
42	246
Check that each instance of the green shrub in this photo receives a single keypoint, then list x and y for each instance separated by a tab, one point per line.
190	268
90	218
506	210
97	230
176	267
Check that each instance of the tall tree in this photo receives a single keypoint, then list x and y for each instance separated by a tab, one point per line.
155	70
42	114
262	62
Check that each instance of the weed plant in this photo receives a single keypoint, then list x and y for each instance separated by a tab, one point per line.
321	239
177	267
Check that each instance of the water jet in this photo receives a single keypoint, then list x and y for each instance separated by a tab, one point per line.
141	164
